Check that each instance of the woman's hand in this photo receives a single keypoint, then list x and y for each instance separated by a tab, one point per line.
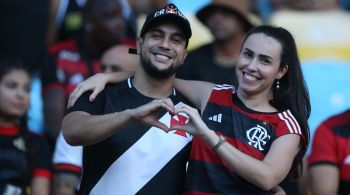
96	83
195	125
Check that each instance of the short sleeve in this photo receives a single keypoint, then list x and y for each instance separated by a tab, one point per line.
323	146
41	161
67	158
288	124
95	107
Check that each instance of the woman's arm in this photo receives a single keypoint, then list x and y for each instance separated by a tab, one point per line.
265	174
197	92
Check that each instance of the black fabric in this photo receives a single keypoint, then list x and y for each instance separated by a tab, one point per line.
23	31
200	65
167	13
98	157
15	167
230	182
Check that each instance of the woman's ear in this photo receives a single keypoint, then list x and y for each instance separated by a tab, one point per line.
282	72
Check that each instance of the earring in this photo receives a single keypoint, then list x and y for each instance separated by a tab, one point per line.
277	84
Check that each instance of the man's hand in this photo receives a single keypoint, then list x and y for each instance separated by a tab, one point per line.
148	113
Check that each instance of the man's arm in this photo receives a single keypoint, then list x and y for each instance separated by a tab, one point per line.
324	173
65	183
40	185
324	179
81	128
67	164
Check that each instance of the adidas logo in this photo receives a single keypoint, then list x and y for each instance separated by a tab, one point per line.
216	118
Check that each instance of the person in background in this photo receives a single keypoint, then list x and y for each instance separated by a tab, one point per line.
117	58
67	159
228	22
70	61
25	160
329	160
66	19
250	138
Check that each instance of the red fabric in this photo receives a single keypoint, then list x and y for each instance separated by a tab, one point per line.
67	167
8	131
42	173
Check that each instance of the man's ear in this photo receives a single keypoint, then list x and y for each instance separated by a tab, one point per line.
184	57
139	43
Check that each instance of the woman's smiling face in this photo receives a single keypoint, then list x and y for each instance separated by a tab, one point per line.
259	64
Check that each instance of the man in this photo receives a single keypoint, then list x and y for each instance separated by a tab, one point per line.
121	155
67	160
228	22
329	160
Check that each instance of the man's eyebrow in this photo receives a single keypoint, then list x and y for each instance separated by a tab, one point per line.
156	30
173	34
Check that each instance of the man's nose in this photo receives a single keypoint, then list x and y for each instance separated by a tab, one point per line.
165	43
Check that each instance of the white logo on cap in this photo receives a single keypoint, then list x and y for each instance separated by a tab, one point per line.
170	9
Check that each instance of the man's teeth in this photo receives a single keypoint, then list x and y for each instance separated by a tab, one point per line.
162	56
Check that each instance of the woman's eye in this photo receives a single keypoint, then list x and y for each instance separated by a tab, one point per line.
248	54
266	61
11	85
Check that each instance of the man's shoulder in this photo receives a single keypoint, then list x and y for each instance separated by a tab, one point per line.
117	87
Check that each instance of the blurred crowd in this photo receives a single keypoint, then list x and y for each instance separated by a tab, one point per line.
55	45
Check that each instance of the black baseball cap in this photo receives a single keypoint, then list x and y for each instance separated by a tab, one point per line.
168	13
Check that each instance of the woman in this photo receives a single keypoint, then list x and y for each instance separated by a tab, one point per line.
247	140
25	158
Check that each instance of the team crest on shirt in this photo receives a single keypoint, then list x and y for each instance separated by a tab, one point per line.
258	137
179	119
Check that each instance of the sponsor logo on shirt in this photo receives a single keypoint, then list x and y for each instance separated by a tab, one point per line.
216	118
